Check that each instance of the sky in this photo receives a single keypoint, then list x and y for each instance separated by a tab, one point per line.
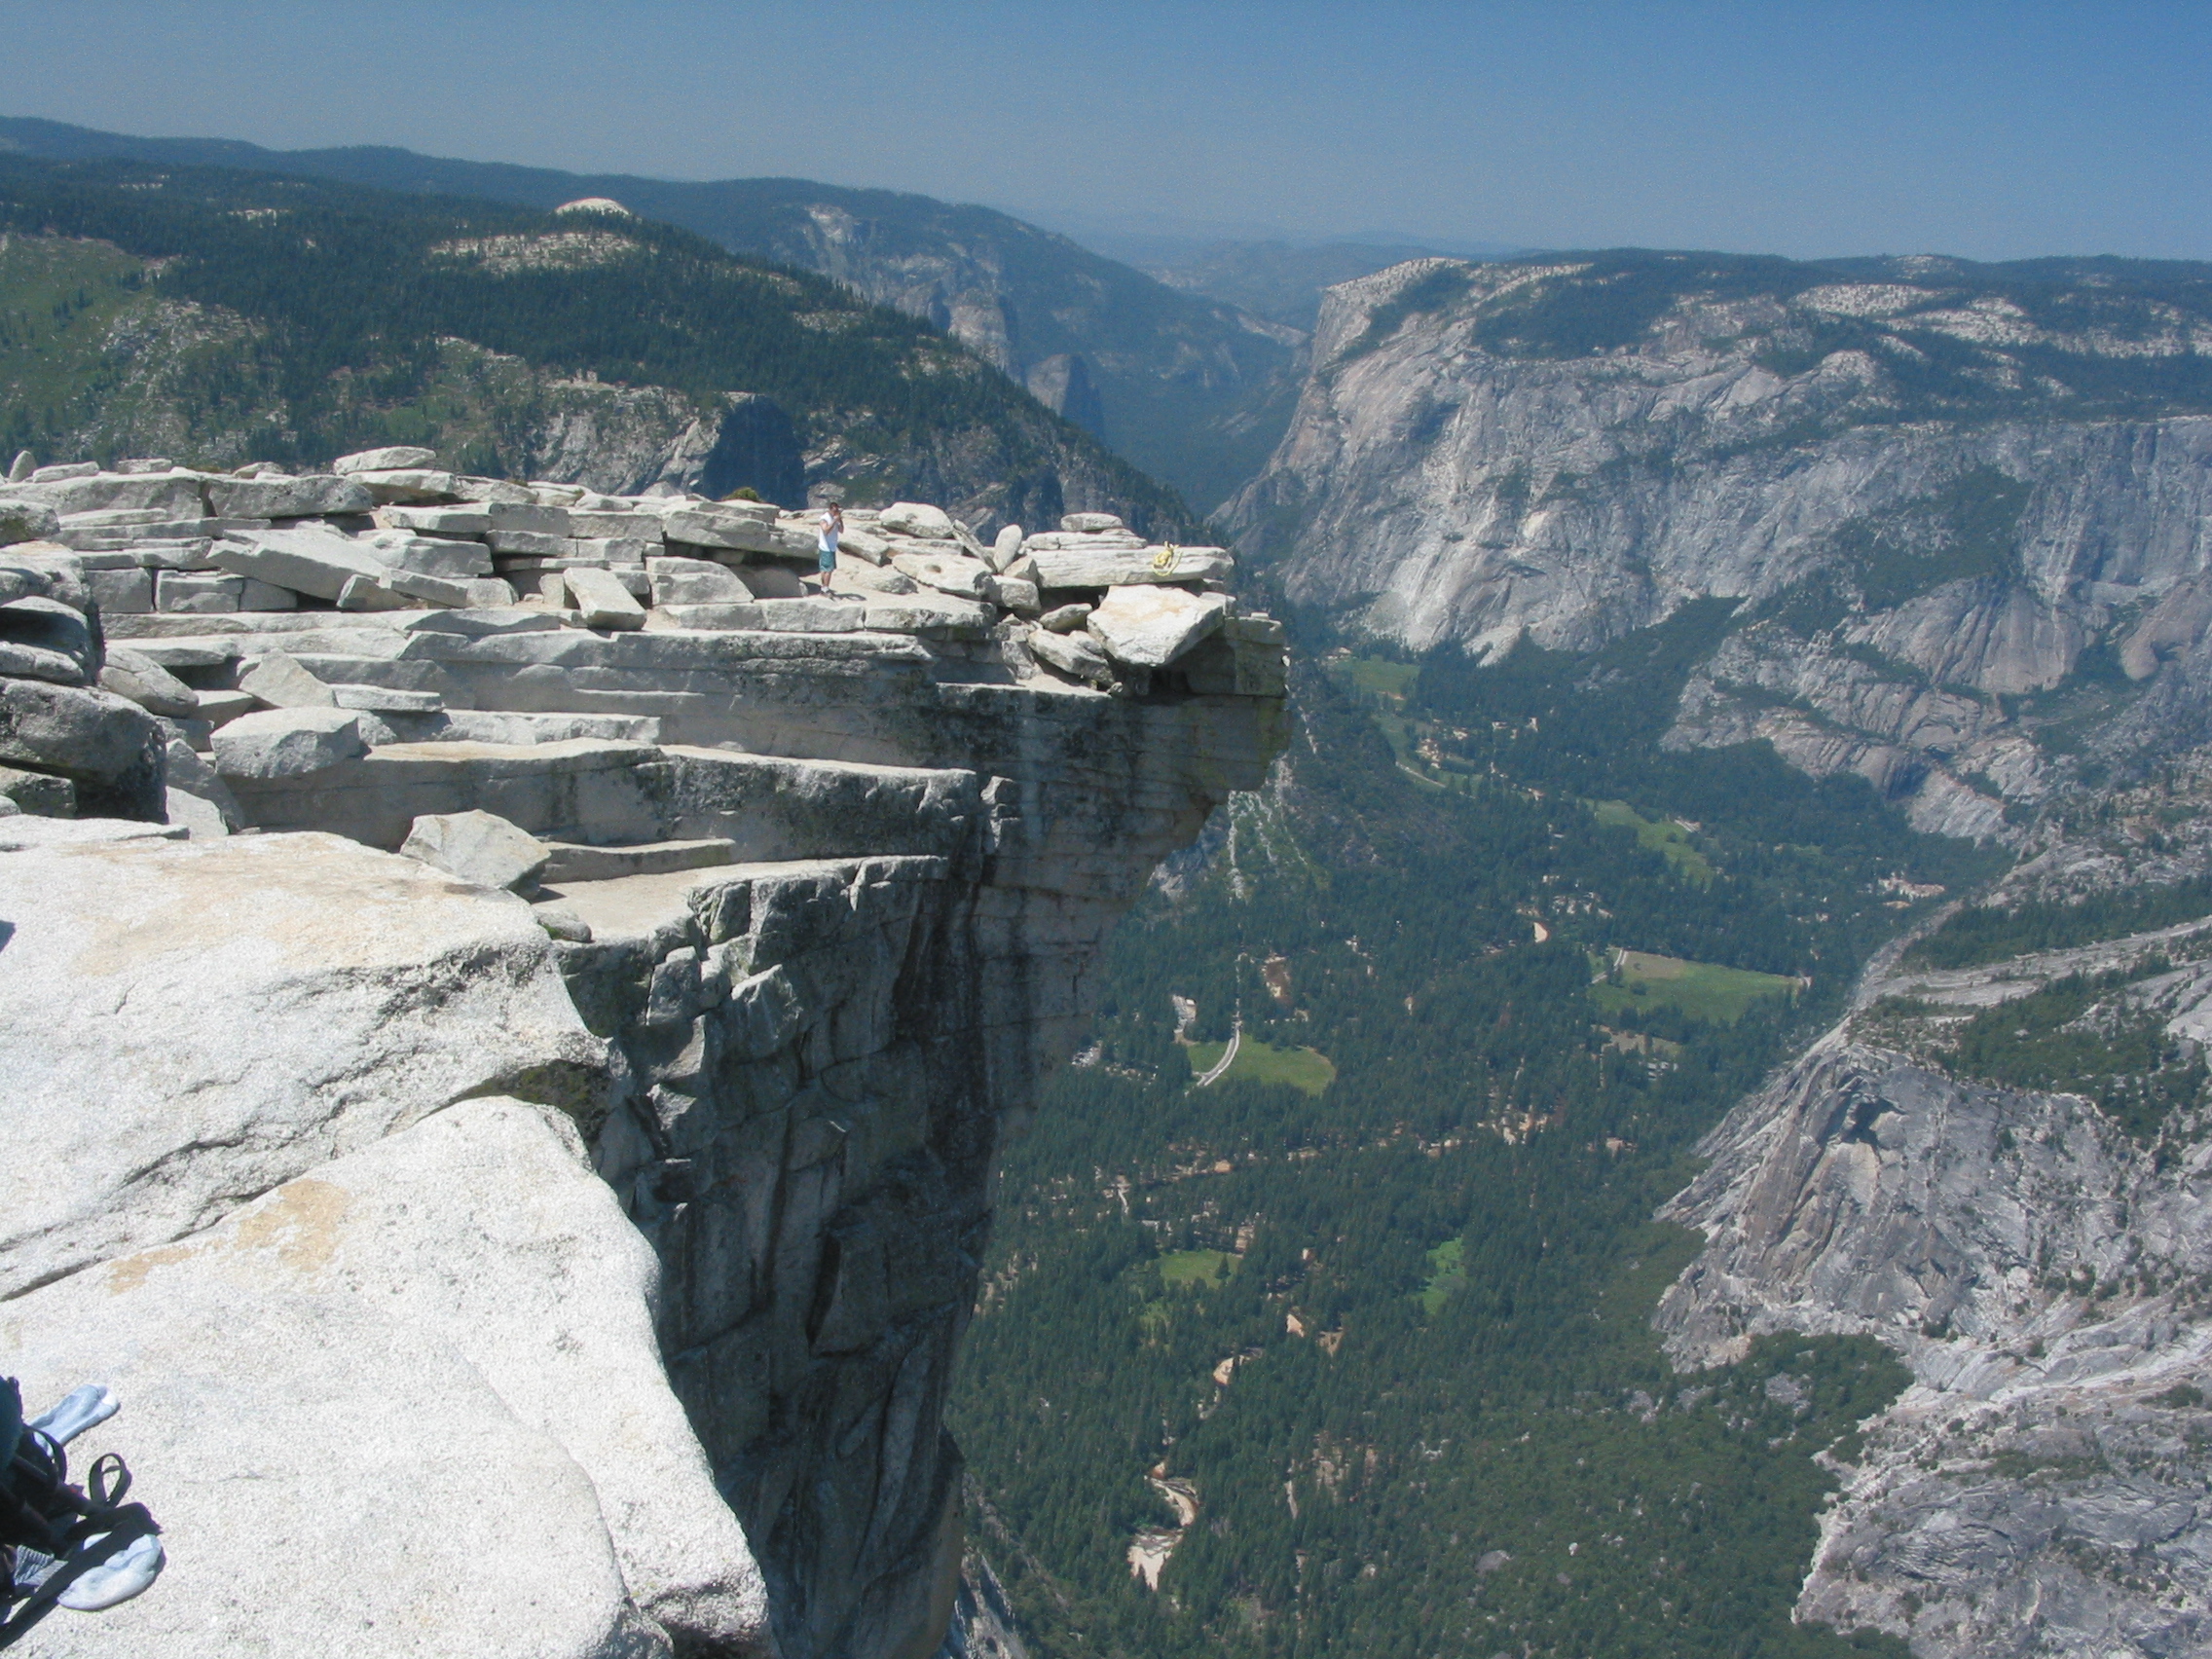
1992	131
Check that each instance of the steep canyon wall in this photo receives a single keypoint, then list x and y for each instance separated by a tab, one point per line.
1926	490
2040	1488
1958	518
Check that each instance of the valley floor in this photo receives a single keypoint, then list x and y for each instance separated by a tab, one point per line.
1390	1324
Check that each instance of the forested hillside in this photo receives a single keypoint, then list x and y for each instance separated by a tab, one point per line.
1319	1315
1192	390
222	316
1355	1339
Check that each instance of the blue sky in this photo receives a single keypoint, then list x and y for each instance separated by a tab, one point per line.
1989	130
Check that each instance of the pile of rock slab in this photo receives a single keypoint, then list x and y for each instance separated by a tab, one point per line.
168	635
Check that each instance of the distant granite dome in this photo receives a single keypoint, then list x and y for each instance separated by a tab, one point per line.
595	204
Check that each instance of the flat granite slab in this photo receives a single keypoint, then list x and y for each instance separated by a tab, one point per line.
193	1022
641	906
572	788
297	1380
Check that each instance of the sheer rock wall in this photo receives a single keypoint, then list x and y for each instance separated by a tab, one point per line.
317	1123
814	1059
1902	566
2039	1489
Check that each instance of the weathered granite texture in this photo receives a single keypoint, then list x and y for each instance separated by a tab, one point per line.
1911	559
238	1028
408	1402
818	915
814	1058
2040	1488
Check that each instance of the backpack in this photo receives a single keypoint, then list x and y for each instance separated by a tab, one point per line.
54	1535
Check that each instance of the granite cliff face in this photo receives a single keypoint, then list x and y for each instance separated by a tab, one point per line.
1959	515
2040	1488
1192	390
1932	487
585	1272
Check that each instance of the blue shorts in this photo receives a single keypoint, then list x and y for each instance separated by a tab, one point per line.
826	559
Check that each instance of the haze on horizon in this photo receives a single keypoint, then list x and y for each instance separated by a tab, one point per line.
1986	131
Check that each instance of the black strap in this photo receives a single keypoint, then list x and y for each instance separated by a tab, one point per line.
107	1480
122	1525
11	1420
39	1508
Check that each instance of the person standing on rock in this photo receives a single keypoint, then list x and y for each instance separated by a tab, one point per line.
832	526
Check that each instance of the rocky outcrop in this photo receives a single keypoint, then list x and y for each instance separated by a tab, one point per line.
1062	384
984	1622
1565	452
1826	712
659	1188
2039	1488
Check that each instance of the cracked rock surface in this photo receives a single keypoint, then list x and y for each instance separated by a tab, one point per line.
584	1268
2042	1489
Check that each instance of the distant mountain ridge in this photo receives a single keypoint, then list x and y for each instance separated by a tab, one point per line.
1275	280
1273	273
1194	391
216	316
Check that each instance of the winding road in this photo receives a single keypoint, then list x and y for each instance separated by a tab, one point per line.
1228	1055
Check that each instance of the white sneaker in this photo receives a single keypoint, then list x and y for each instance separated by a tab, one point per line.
123	1575
83	1407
